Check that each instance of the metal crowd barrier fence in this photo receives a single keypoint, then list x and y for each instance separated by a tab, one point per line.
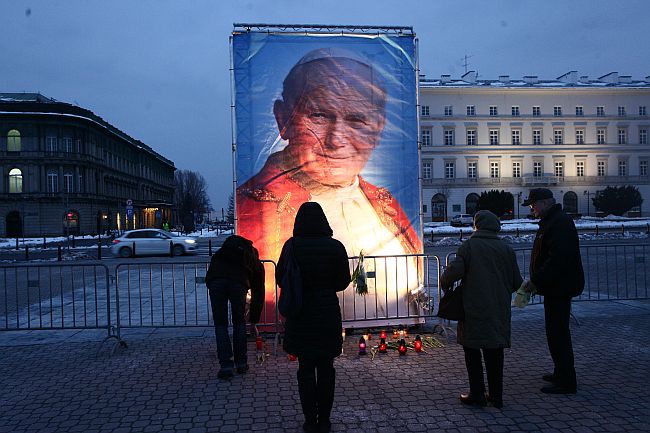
612	272
61	296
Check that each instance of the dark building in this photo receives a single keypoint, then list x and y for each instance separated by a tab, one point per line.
65	170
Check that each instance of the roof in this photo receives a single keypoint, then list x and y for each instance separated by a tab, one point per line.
35	103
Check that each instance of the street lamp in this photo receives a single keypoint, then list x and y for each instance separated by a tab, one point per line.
587	193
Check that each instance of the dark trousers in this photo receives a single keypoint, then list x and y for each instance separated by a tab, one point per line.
494	368
221	292
557	313
316	378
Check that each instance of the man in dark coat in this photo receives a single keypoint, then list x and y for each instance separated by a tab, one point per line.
490	274
314	334
234	269
556	273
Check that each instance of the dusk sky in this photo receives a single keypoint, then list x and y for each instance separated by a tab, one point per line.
159	70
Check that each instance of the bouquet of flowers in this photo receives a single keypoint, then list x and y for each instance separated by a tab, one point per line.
359	277
522	297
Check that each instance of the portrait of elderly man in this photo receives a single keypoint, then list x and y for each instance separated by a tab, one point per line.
332	114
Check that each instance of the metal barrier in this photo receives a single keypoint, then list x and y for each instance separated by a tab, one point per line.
169	294
61	296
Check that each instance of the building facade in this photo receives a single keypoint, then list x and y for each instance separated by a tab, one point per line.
65	170
572	135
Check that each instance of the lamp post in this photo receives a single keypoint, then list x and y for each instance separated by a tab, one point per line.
518	203
587	193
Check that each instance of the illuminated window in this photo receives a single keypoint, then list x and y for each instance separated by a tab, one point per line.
537	110
15	181
13	141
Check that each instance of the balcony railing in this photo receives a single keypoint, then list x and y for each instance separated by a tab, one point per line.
531	181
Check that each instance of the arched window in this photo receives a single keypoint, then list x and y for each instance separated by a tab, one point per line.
13	141
471	203
15	181
439	207
570	202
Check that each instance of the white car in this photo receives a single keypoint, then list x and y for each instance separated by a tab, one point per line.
150	242
462	220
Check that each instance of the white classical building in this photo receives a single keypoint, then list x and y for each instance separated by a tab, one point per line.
572	135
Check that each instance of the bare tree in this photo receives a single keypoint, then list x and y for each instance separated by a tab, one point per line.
190	196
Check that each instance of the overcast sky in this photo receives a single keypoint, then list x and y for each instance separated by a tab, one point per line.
158	69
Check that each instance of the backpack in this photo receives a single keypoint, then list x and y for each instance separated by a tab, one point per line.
290	302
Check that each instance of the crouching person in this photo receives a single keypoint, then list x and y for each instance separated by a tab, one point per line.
234	269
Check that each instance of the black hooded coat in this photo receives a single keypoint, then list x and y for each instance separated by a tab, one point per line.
316	331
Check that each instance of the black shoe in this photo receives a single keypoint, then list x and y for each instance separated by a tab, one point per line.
242	370
310	427
496	402
549	378
471	400
559	389
225	374
324	426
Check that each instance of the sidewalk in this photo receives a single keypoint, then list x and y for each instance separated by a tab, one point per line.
166	381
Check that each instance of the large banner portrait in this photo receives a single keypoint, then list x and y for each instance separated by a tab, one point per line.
332	119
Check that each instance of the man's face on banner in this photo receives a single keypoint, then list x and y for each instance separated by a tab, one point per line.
332	129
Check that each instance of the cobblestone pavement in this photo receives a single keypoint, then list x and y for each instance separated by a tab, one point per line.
166	381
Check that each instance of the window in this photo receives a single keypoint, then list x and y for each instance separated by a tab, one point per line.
538	169
424	110
52	181
471	110
601	135
580	136
515	110
557	111
427	170
600	111
516	169
79	184
537	111
580	168
559	169
449	110
621	110
15	181
471	169
602	168
643	168
471	137
537	136
622	135
642	110
516	136
622	168
449	137
426	137
67	182
579	111
494	169
493	110
643	136
558	136
424	208
51	144
450	170
13	141
67	144
494	136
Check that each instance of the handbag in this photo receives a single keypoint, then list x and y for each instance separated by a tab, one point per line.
451	304
290	302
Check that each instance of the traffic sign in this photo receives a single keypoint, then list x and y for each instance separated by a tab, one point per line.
129	202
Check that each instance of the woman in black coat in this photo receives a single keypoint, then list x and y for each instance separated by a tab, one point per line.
314	335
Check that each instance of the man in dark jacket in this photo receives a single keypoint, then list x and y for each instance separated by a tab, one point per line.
556	273
234	269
